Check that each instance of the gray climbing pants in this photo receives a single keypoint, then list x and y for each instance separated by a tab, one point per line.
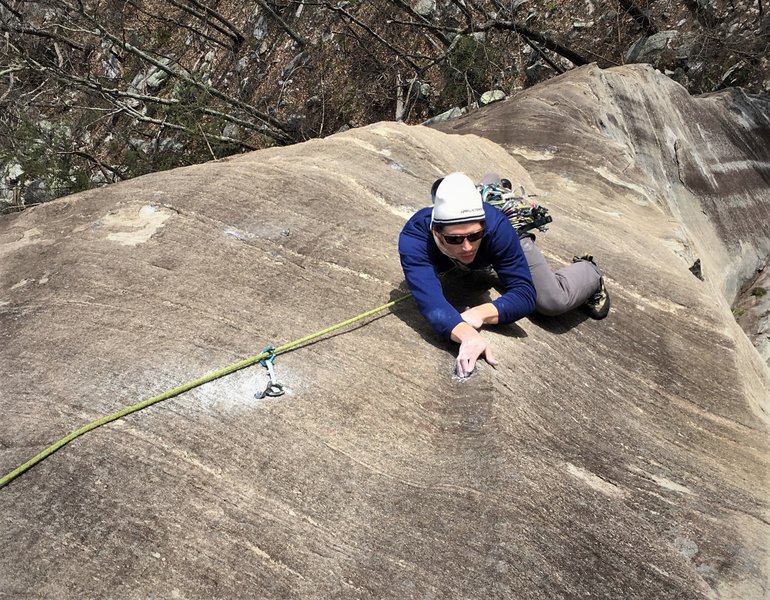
562	290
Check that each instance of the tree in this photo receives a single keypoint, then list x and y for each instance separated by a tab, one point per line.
95	91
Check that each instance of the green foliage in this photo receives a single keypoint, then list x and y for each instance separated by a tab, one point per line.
163	36
170	147
175	149
466	72
758	292
191	100
137	161
45	152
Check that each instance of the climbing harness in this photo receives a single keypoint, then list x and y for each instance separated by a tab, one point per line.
6	479
273	389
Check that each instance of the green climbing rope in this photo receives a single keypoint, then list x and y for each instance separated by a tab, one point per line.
187	387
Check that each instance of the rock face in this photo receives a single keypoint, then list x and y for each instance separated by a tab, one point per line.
626	458
704	162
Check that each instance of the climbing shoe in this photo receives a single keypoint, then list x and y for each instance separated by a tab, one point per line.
598	305
588	257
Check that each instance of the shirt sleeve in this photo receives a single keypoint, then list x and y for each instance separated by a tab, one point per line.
511	266
422	278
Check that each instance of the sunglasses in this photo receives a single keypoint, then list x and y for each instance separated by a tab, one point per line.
456	240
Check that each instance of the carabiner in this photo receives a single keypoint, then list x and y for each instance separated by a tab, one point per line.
273	388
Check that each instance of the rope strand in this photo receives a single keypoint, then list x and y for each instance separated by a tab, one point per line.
6	479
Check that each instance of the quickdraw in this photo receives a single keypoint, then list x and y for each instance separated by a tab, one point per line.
273	388
523	214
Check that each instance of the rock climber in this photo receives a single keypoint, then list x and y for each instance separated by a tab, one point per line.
461	230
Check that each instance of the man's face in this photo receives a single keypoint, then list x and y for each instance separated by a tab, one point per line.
465	251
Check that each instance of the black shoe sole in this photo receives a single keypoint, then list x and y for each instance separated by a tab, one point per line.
598	314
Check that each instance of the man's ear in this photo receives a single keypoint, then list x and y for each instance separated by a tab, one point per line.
433	189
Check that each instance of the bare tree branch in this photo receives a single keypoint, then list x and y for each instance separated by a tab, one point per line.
283	137
637	15
435	31
234	35
543	55
40	33
464	9
8	91
231	45
374	34
11	70
165	123
703	13
112	95
478	8
535	36
206	139
277	18
235	32
108	171
11	10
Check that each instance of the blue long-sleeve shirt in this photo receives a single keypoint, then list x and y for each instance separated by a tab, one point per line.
422	261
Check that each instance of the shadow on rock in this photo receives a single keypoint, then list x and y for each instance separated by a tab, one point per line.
463	290
473	289
408	313
560	324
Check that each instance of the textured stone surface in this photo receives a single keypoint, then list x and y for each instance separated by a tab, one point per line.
705	162
626	458
634	134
